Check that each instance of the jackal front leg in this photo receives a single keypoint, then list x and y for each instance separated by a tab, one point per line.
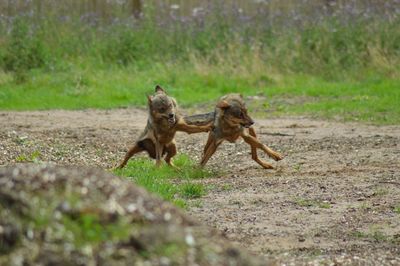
254	155
159	151
182	126
256	143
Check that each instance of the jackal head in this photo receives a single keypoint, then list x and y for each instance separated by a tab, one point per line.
162	107
234	110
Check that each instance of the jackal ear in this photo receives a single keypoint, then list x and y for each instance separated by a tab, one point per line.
149	99
174	102
159	89
223	104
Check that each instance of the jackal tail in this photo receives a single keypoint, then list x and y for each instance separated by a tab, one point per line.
200	119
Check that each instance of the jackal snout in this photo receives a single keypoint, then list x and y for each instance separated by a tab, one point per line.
244	120
248	123
171	118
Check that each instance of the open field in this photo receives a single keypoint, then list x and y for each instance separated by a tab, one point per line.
335	196
329	58
373	100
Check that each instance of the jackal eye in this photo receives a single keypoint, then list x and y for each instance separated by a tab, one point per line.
162	109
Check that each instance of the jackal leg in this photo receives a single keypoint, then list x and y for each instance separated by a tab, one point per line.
159	152
253	141
254	155
170	149
132	151
182	126
210	148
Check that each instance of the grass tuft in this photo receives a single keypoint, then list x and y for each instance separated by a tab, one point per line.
192	191
170	184
397	209
312	203
32	157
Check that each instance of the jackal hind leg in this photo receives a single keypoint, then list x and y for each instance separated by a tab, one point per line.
132	151
210	148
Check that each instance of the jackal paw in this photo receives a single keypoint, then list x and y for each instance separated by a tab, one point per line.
265	165
276	156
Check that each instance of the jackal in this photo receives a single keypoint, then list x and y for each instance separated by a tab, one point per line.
230	122
163	122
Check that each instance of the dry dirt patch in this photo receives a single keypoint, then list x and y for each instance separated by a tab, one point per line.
335	196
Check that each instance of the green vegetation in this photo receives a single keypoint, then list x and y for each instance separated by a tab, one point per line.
89	229
397	209
376	235
172	185
312	203
379	192
340	65
192	191
32	157
371	100
226	187
80	227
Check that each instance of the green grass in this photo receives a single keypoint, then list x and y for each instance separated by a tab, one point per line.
88	228
397	209
373	99
81	228
173	185
312	203
376	235
329	70
192	191
32	157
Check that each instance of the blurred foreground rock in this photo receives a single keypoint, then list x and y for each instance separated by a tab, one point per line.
52	215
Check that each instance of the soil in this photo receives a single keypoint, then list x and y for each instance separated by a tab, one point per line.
334	198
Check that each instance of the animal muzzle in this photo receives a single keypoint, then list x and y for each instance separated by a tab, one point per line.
171	119
249	124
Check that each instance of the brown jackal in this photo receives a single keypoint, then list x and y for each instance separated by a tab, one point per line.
164	121
230	122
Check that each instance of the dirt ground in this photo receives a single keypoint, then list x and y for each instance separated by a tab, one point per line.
335	198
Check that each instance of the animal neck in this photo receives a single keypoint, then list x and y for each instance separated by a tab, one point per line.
229	127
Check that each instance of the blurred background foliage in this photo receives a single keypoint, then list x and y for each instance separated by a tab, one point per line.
258	44
324	37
